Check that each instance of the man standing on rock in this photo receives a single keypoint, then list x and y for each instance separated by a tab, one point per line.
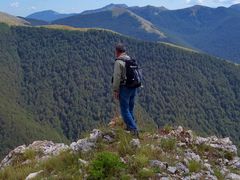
126	80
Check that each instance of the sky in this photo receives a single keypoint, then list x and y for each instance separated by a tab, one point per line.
26	7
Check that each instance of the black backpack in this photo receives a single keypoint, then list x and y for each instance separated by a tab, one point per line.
133	74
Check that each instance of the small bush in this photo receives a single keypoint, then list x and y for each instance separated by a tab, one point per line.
168	144
194	166
105	165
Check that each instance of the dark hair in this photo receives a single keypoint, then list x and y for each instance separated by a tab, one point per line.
120	48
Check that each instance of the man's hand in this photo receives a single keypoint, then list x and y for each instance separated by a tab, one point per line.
116	95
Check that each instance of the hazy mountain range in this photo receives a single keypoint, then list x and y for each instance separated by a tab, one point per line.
211	30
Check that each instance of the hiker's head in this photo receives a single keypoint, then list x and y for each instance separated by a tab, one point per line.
120	48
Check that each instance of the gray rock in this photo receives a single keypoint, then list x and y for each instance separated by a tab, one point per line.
135	143
208	167
81	161
233	176
108	139
172	169
182	168
224	171
95	135
196	176
210	177
33	175
164	178
192	156
83	145
48	147
12	155
200	140
158	164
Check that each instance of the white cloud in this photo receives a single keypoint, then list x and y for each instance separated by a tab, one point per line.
14	4
33	8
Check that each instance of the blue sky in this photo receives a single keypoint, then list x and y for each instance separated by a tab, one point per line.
26	7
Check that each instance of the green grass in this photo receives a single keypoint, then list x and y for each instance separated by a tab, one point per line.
106	165
168	144
194	166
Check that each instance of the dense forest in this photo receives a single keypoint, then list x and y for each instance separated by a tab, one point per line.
61	80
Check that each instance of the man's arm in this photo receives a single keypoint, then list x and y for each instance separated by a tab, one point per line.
116	76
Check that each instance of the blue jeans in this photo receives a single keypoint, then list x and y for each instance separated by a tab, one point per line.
126	98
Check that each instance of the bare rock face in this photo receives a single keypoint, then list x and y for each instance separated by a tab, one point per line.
83	145
45	149
48	147
9	158
187	150
87	144
192	156
33	175
218	143
233	176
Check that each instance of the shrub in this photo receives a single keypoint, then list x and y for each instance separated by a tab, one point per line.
105	165
194	166
168	144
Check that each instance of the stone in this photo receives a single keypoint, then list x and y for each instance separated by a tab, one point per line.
81	161
210	177
13	154
181	144
208	167
33	175
192	156
179	129
135	143
233	176
108	139
200	140
224	171
196	175
95	135
83	145
164	178
158	164
172	169
182	168
48	147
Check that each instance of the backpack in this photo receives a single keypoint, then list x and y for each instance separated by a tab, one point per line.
133	74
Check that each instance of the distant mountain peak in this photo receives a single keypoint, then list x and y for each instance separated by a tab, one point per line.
235	6
106	8
12	20
48	15
112	5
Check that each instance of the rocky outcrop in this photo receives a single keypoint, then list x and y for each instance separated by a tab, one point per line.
185	164
44	150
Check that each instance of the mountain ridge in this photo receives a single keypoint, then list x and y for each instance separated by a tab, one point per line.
60	67
113	153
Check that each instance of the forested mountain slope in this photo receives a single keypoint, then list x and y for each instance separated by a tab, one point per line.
120	20
64	82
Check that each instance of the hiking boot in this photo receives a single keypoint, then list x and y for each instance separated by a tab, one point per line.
135	133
